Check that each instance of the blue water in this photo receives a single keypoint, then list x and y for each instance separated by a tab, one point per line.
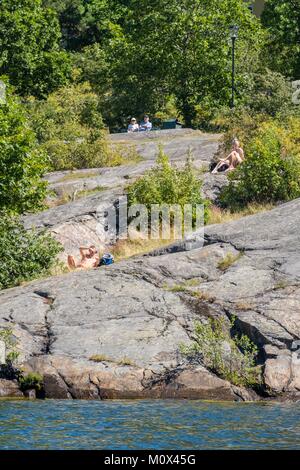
149	424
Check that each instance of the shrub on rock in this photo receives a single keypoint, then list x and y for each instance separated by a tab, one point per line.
167	184
271	169
24	255
233	358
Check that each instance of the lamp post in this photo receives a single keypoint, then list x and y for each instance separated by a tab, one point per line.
234	35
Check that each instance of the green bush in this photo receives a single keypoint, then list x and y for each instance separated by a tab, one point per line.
32	380
70	129
232	359
271	169
166	184
24	255
22	164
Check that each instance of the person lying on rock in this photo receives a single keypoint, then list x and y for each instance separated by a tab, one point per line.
235	158
89	258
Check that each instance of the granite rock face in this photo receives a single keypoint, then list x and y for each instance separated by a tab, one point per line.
176	144
93	192
115	331
10	388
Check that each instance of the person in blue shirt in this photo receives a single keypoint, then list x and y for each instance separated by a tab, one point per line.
145	125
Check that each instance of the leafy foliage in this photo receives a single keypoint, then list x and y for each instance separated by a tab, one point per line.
29	44
166	184
33	380
8	370
281	18
181	49
6	335
268	93
24	255
271	170
22	164
232	359
70	129
92	65
83	22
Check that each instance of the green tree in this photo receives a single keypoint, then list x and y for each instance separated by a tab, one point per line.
282	20
92	65
22	164
181	48
70	129
29	47
268	93
86	22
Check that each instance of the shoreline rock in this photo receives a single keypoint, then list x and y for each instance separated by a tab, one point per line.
114	332
133	316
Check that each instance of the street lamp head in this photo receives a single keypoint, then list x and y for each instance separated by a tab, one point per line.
234	29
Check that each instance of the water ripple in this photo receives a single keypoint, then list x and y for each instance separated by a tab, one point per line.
148	424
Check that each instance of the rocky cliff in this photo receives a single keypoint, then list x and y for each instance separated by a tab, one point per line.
114	332
86	193
128	316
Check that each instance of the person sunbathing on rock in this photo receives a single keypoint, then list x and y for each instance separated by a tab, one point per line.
89	258
234	159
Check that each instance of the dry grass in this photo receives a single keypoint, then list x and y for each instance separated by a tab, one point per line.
203	296
220	216
177	288
127	248
192	282
125	361
229	260
243	306
281	285
89	192
100	358
58	201
66	198
197	294
128	153
76	175
124	249
184	287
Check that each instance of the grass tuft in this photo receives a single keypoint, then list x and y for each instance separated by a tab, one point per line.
100	358
229	260
221	216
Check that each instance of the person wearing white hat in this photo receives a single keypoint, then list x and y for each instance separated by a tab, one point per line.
133	126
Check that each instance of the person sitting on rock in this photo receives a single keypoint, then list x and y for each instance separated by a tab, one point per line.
133	126
89	258
235	158
146	125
